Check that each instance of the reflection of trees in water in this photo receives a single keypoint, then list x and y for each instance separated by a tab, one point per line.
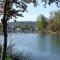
55	43
50	43
42	42
56	39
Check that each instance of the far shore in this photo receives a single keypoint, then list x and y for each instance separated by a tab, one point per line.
49	32
39	32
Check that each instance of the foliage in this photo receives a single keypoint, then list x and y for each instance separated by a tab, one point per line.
20	6
8	13
54	22
8	58
21	56
27	27
41	22
1	27
49	2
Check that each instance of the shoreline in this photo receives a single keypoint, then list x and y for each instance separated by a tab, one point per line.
48	32
39	32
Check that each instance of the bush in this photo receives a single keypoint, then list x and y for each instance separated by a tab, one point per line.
21	56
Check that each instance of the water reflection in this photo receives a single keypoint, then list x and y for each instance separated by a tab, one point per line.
41	45
55	43
50	43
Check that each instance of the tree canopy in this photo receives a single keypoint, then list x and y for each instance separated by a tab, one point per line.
21	6
41	22
54	22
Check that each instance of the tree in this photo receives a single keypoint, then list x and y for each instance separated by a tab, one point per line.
41	22
9	12
57	2
54	22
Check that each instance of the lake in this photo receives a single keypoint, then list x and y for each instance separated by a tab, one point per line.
40	46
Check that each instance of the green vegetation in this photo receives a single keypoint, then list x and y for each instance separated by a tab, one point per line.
9	58
22	56
17	56
27	27
1	28
41	23
52	25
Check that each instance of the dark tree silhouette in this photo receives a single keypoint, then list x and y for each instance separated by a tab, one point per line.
9	12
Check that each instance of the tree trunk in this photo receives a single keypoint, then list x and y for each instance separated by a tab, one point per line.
5	40
4	22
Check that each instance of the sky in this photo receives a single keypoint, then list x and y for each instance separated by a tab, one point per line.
34	12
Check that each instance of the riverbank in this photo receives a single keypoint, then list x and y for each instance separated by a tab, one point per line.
39	32
52	32
49	32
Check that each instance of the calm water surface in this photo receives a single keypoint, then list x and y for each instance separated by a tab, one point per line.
41	46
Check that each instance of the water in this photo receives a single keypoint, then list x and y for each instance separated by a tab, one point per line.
41	46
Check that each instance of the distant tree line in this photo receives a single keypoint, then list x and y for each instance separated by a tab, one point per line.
45	24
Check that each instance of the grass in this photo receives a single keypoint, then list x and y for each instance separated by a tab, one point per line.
8	58
22	56
17	56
